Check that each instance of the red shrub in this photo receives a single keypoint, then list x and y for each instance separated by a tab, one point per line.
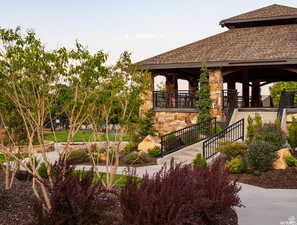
181	196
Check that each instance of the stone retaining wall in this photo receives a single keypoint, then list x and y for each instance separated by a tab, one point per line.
166	122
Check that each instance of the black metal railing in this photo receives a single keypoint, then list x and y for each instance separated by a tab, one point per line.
230	102
179	99
231	133
288	99
187	136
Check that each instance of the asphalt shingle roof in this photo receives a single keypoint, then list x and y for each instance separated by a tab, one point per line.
239	44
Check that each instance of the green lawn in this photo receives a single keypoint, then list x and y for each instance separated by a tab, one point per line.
79	137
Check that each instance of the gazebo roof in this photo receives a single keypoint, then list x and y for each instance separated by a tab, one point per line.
253	45
269	13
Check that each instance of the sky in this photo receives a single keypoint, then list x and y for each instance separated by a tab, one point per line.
143	27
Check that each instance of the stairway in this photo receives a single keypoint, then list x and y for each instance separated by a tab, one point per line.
268	115
183	156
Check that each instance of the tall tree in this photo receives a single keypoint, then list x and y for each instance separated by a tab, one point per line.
277	88
203	96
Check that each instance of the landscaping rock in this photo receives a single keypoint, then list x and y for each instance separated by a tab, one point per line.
149	142
280	163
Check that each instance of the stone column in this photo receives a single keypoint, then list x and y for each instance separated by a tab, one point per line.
171	88
216	87
148	97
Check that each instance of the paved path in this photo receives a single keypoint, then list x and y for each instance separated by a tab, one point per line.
267	206
262	206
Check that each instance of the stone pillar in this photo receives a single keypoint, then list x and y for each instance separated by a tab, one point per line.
171	88
231	85
216	87
148	97
256	94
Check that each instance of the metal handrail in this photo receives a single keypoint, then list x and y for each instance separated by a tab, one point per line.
179	139
178	99
232	133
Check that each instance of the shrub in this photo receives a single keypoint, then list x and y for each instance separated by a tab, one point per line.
254	125
78	156
136	158
199	161
130	147
232	149
42	171
181	195
272	134
77	200
235	165
291	161
215	130
293	134
155	152
261	155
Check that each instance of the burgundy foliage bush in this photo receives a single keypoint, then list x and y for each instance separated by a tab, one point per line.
77	200
181	196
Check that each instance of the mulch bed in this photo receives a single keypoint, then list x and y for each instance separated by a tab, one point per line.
16	205
274	179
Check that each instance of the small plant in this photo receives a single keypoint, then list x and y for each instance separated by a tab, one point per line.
232	149
291	161
215	129
293	134
199	161
42	171
79	156
130	147
235	165
155	152
136	158
261	155
254	125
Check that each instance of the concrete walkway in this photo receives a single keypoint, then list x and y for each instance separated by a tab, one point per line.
267	206
262	206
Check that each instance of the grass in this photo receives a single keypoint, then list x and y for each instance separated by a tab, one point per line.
20	156
79	137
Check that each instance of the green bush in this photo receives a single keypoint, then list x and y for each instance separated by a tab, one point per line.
235	165
199	161
254	125
232	149
155	152
272	134
291	161
293	134
215	130
79	156
261	155
136	158
42	171
130	147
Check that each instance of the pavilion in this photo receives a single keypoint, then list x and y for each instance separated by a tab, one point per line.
259	47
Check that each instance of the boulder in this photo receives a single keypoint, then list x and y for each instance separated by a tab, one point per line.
149	142
280	163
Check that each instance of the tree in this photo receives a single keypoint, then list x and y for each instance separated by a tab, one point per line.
277	88
203	97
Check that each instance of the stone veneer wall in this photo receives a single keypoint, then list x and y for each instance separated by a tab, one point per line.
216	84
166	122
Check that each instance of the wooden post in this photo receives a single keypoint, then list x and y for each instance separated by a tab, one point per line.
245	89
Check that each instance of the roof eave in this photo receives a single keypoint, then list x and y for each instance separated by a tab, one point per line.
219	64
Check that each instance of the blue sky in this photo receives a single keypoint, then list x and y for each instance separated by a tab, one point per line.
143	27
